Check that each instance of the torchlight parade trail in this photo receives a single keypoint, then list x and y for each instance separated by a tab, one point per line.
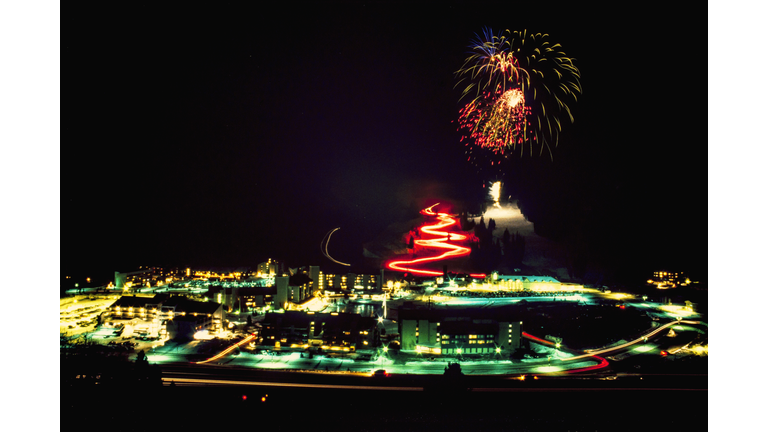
441	241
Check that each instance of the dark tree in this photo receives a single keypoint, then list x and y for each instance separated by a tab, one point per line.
453	369
141	358
465	223
480	230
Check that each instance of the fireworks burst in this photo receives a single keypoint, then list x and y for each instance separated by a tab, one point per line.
497	120
520	85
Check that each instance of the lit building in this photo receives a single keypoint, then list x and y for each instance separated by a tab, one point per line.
148	276
457	332
368	282
135	278
178	315
292	289
281	292
256	297
141	315
300	288
331	332
336	283
270	268
244	296
314	276
502	283
526	283
479	336
666	278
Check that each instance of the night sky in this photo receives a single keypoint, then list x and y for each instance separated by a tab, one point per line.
225	136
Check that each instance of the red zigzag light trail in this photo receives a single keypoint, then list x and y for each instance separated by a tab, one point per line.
440	242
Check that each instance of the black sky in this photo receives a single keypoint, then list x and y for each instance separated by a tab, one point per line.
223	136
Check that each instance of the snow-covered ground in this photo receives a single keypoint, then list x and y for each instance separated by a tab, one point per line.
540	252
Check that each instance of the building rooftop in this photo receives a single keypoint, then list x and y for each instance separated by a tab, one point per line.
467	327
182	304
528	278
464	315
136	301
249	291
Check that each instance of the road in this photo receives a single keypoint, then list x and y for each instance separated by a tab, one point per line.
191	375
562	360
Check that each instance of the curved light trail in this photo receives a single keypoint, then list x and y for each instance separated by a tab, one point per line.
229	349
602	362
638	340
324	246
440	241
594	353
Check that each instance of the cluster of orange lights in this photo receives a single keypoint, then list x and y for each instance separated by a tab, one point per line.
263	398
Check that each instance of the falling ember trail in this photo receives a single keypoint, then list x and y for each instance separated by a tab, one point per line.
440	240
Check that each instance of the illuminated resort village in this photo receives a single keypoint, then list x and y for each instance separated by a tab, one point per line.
418	314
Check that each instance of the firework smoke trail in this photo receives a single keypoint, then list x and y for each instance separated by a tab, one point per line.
522	84
440	242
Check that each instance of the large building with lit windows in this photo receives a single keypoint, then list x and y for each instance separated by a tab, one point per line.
335	283
179	316
254	298
148	277
333	332
350	282
526	283
270	268
294	289
453	332
667	278
501	282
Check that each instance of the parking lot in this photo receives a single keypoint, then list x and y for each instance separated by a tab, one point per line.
80	314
